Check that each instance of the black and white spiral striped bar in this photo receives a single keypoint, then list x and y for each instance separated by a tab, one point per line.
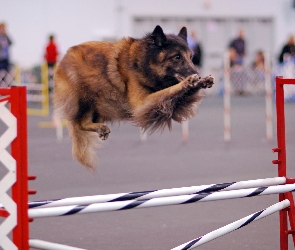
233	226
164	201
85	200
41	244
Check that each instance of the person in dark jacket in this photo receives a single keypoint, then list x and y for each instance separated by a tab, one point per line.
288	49
5	43
239	45
196	48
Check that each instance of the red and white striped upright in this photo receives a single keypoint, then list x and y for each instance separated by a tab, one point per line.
9	207
268	99
226	99
185	130
15	207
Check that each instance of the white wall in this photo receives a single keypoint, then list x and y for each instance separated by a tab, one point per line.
282	11
29	22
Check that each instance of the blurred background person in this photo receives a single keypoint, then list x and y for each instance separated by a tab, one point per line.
232	56
5	43
258	62
51	56
257	73
288	50
196	48
51	52
239	45
238	73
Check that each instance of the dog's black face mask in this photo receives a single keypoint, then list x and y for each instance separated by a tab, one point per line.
168	58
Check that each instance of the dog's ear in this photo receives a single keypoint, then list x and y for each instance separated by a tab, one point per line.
183	33
158	36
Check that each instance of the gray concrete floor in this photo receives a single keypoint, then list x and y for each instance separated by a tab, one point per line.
163	161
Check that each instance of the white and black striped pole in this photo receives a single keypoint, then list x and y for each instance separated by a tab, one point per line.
143	195
233	226
41	244
174	200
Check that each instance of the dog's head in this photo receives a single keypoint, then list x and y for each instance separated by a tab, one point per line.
167	58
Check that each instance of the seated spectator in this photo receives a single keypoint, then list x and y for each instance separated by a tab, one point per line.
259	60
232	56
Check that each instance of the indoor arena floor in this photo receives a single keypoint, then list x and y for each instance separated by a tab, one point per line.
126	164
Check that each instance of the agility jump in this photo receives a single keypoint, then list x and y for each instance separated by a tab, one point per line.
24	210
227	98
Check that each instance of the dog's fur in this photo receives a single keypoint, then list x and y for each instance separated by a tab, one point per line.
149	81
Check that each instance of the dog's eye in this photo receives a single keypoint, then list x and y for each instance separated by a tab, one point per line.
177	57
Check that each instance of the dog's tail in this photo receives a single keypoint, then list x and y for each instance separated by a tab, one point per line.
83	145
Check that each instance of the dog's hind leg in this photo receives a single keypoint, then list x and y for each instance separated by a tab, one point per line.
88	119
100	128
84	141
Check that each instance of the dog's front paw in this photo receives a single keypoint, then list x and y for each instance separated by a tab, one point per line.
206	82
191	81
103	132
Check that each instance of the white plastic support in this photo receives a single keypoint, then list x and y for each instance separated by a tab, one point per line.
9	179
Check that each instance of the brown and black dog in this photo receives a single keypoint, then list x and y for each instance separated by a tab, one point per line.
149	81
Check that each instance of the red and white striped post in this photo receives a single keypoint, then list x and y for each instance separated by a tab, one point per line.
268	99
185	130
19	152
226	99
16	96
